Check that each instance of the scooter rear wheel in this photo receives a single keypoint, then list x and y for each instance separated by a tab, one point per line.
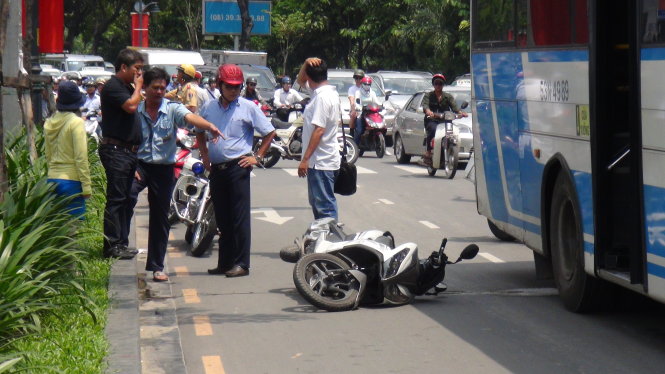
323	280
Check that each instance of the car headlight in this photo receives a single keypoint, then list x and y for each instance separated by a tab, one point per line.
395	262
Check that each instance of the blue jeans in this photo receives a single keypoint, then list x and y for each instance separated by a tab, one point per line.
71	189
359	130
321	191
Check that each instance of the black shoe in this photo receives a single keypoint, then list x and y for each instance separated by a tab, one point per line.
121	252
218	271
237	271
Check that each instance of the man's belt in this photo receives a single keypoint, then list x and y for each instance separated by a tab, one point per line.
227	164
130	147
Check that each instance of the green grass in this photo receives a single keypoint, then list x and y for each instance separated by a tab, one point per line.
53	280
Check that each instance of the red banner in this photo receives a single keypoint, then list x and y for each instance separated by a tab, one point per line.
51	26
140	23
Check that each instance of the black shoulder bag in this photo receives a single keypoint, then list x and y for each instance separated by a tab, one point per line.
346	182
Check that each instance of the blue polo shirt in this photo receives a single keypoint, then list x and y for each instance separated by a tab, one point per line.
237	123
159	138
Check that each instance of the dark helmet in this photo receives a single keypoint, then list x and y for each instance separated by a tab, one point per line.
358	73
438	77
286	80
251	80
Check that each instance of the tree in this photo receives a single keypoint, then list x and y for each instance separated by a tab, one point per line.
247	24
288	30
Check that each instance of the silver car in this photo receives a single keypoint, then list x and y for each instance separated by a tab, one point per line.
409	133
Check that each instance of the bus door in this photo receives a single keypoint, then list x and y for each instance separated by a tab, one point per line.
616	140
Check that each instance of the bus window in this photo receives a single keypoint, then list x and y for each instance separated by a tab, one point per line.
550	22
494	23
653	21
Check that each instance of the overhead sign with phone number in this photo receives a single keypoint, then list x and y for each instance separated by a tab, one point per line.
222	17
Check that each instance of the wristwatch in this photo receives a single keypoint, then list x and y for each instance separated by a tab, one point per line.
258	158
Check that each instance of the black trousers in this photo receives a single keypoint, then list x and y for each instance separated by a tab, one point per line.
230	192
160	181
119	164
430	129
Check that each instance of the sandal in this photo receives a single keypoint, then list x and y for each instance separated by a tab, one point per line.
159	276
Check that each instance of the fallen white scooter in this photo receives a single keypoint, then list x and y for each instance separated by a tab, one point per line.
337	272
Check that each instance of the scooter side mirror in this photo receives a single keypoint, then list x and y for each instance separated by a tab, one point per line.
469	252
465	105
388	93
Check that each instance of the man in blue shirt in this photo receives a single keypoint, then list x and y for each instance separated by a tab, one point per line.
160	119
230	162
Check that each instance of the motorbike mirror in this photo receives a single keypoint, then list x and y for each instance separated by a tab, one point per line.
388	93
469	252
465	105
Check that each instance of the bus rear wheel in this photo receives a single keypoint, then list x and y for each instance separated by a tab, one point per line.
576	288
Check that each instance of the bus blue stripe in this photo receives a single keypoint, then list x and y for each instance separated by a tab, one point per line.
654	218
559	56
653	54
656	270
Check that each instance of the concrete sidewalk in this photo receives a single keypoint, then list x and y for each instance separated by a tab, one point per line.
142	326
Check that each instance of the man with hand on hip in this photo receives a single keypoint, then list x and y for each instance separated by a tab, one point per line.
321	159
230	162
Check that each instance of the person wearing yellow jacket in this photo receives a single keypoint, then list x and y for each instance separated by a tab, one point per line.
66	146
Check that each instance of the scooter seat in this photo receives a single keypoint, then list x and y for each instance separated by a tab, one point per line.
279	124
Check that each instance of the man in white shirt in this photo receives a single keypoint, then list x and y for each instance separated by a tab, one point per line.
321	159
284	98
358	75
92	102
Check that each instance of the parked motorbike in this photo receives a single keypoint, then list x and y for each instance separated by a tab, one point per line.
287	143
445	152
186	144
192	204
374	136
337	272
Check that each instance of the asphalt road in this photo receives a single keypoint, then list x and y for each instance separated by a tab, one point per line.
495	318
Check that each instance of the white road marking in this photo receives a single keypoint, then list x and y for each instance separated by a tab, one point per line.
388	153
292	172
490	257
362	170
385	201
412	169
429	224
271	215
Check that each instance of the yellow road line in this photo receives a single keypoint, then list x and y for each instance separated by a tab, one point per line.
191	296
181	271
202	326
171	236
176	255
213	365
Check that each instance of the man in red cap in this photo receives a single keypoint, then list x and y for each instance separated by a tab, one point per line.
230	161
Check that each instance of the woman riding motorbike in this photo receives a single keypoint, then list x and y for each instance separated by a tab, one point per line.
434	104
364	96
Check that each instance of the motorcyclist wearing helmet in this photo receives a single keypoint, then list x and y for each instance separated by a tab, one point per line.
434	104
284	99
363	97
250	93
358	75
230	162
92	101
100	85
187	92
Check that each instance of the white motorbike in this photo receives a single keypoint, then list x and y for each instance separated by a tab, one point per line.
92	127
445	152
287	143
192	204
337	272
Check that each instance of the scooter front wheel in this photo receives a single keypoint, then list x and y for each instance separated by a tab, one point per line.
323	280
450	159
380	145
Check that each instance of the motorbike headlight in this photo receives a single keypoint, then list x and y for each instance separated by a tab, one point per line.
372	124
198	168
395	262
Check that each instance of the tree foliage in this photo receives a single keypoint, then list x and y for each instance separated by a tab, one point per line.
428	35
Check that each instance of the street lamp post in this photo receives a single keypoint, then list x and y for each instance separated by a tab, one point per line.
142	9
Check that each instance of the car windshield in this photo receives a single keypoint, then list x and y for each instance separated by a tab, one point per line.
342	84
406	86
262	77
79	65
461	97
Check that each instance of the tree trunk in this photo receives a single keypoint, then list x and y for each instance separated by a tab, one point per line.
247	24
26	100
4	15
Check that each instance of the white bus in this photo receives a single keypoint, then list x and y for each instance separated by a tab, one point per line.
569	138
